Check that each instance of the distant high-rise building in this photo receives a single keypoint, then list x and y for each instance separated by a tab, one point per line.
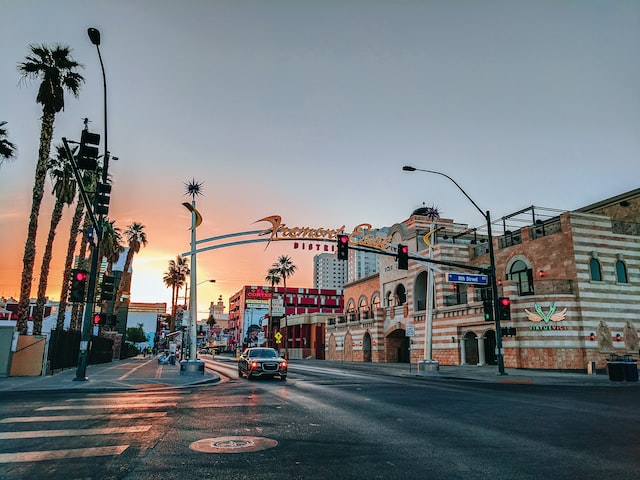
329	272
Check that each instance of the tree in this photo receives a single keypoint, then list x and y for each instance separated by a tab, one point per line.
56	70
285	268
136	239
136	334
176	278
64	188
111	243
7	149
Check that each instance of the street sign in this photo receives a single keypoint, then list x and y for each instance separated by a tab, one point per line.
278	337
410	331
467	278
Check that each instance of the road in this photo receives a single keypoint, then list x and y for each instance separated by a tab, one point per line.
324	423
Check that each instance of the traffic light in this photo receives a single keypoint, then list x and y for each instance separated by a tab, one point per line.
403	257
78	290
108	287
87	156
99	318
343	247
487	307
102	198
504	308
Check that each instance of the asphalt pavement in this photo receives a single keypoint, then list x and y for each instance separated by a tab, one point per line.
143	373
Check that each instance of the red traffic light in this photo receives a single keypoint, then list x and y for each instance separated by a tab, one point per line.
344	239
404	249
81	275
505	302
96	319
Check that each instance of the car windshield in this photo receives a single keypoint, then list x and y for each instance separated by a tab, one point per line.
263	353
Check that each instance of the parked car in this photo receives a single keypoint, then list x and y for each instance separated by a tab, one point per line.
262	362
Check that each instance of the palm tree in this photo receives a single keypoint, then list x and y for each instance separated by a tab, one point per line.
176	277
7	149
111	243
56	70
273	279
64	188
286	268
136	239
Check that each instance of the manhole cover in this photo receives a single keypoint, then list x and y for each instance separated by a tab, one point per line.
232	444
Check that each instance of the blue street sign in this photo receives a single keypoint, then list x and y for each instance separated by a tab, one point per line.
467	278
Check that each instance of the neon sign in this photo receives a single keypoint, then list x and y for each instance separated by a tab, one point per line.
363	234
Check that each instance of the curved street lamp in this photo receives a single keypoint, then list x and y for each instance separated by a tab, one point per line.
492	264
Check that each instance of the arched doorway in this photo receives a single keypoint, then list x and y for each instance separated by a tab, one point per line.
366	347
397	347
471	348
332	353
490	347
348	348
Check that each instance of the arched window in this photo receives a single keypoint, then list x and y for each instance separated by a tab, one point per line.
375	302
388	300
621	272
594	270
400	295
522	275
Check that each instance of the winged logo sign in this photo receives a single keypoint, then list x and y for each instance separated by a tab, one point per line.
551	316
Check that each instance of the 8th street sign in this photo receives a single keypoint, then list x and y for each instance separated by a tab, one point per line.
467	278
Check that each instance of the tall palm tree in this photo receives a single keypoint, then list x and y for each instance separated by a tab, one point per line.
286	269
176	278
7	149
71	248
273	279
64	188
136	239
111	243
56	70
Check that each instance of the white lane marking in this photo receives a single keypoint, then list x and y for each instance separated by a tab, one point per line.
134	369
61	454
72	432
98	407
66	418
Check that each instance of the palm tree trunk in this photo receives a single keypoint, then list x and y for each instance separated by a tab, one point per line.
124	281
28	260
73	241
38	311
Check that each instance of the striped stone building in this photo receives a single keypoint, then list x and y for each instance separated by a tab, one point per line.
573	279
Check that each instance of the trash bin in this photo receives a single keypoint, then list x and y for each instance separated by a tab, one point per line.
616	369
630	369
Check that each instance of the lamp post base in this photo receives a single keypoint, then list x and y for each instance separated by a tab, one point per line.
428	367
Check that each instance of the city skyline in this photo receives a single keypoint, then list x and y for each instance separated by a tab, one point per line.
310	110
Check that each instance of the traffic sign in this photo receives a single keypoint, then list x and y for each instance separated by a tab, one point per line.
278	337
410	331
467	278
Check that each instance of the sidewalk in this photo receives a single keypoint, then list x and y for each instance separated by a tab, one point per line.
485	373
142	373
136	373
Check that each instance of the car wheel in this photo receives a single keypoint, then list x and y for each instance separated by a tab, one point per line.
239	372
283	378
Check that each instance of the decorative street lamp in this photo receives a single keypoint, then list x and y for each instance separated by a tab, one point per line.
492	265
83	358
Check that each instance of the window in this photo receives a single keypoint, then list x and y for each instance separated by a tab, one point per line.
621	272
594	270
522	276
400	295
458	295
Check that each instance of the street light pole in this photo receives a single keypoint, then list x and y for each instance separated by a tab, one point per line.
83	358
492	265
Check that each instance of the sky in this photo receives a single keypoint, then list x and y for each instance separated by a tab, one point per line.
309	110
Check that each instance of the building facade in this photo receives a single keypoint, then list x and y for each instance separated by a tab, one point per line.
572	278
255	320
329	273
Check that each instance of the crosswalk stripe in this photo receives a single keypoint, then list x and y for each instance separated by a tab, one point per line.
107	406
66	418
61	454
72	432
